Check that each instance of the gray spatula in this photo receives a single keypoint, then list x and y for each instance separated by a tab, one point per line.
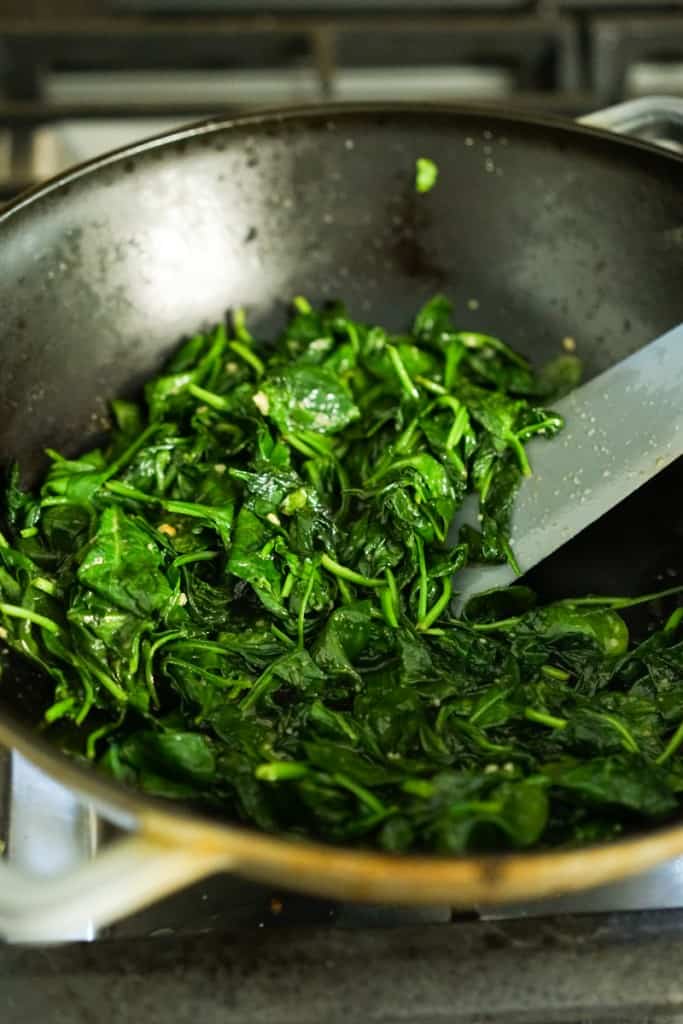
622	428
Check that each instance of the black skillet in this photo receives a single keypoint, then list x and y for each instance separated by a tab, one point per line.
538	231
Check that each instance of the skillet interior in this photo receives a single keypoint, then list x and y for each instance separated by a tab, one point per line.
549	231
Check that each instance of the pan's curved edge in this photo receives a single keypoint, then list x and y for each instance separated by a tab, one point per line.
352	874
285	115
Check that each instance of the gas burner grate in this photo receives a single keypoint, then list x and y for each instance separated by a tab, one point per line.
519	53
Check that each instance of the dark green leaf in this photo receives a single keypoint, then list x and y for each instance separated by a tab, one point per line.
123	565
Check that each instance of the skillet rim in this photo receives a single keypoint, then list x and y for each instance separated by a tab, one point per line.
282	115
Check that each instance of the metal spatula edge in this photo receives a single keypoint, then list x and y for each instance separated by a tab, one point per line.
622	428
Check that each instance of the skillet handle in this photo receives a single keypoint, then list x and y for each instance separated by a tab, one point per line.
126	876
657	119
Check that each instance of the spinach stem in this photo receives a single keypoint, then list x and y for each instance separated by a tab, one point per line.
387	601
672	746
674	621
510	556
287	586
221	682
248	356
538	428
485	485
239	325
625	602
628	742
98	734
352	332
110	684
193	556
518	449
543	718
424	582
130	452
334	720
304	604
363	794
52	502
438	606
388	463
430	385
393	588
490	702
282	636
259	687
555	673
14	611
474	339
405	440
345	497
418	787
88	701
454	355
149	661
350	575
281	771
402	374
301	447
59	709
460	424
490	627
209	398
47	586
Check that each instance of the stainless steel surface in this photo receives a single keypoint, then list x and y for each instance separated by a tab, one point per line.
621	428
660	889
50	831
656	118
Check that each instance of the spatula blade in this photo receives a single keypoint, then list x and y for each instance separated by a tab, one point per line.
622	428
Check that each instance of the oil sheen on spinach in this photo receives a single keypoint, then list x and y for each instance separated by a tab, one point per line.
243	600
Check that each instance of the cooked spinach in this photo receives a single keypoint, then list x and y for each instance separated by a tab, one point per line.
243	600
426	173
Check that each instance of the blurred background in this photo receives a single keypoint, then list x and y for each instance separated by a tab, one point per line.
78	77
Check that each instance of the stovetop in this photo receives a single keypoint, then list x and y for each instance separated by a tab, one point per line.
233	951
81	76
240	953
572	970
